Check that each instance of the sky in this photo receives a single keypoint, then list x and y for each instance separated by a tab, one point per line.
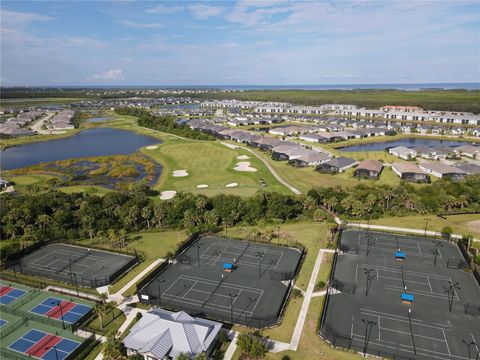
54	43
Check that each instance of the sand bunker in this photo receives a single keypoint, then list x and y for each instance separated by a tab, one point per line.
180	173
202	186
243	157
165	195
244	166
231	185
474	225
152	147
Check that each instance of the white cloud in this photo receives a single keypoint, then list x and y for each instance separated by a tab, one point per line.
203	12
139	24
113	74
15	18
162	9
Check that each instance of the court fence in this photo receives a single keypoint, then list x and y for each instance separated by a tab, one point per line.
73	278
469	259
339	340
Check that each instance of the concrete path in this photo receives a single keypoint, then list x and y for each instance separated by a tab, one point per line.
231	348
267	164
306	303
118	297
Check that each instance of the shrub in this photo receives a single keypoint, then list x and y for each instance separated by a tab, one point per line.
296	293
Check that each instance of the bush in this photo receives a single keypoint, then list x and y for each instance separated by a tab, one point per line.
447	232
296	293
320	285
253	346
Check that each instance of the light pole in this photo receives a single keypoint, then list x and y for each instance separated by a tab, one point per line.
468	347
450	291
159	282
197	245
260	256
437	244
76	283
369	278
370	242
411	330
55	348
426	225
368	330
231	305
278	235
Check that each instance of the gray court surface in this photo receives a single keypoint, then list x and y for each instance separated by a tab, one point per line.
365	311
252	294
75	265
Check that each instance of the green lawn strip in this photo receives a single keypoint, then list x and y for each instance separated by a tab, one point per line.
124	280
325	270
112	320
92	355
458	223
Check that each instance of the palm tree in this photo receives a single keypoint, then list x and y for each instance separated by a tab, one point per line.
53	183
103	298
43	220
182	356
201	356
99	309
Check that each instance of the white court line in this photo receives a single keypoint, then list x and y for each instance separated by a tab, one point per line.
198	303
446	342
379	327
236	297
429	284
433	276
254	248
434	354
242	262
403	320
190	288
212	282
419	292
401	317
409	281
376	248
419	250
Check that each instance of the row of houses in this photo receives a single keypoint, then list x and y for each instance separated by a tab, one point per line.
435	152
445	117
61	121
18	126
420	173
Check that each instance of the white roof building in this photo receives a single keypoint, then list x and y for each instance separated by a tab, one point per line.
163	334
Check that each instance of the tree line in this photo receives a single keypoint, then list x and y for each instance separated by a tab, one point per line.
56	215
162	123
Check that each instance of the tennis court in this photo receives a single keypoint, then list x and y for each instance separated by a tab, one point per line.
76	265
68	311
42	345
9	294
229	280
411	307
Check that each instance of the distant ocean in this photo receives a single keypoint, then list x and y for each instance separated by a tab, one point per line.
406	87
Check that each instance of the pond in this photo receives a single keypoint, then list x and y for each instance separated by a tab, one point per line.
408	142
87	143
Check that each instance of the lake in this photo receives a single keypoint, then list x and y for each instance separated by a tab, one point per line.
87	143
408	142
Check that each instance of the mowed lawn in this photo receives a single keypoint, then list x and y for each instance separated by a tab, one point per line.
460	224
152	245
210	163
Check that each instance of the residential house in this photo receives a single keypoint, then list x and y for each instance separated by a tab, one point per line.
468	150
468	168
410	172
337	165
441	170
403	152
310	158
317	138
369	169
287	152
162	334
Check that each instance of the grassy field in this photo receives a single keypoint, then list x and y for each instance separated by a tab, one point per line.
209	163
459	223
152	245
452	100
97	190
